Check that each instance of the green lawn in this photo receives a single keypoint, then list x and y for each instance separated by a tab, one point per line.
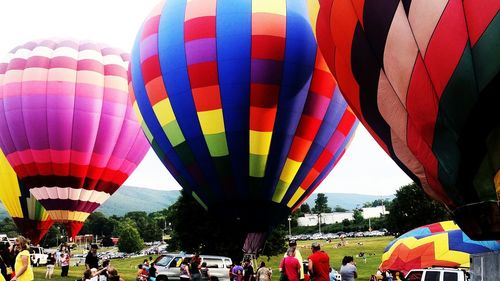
372	247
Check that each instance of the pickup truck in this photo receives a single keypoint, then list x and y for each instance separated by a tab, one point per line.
437	274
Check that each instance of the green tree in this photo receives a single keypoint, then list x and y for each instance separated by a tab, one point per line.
358	216
98	224
130	240
321	204
413	208
8	227
338	208
52	238
146	225
305	209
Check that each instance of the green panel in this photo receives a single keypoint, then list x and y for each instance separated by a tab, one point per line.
486	53
484	182
455	104
174	133
39	210
157	150
217	144
147	132
185	154
257	165
223	166
280	191
199	200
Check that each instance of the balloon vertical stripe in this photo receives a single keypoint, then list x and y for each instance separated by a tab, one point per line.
316	105
268	48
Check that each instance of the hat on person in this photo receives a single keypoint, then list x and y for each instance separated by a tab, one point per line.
315	245
292	243
94	246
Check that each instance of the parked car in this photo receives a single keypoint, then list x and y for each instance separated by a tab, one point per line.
38	256
168	266
437	274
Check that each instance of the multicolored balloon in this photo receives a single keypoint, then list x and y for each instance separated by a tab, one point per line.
30	217
67	126
238	103
423	77
438	244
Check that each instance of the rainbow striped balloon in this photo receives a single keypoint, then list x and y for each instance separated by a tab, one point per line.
437	244
239	104
67	126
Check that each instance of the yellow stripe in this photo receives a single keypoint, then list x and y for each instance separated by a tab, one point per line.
260	142
296	196
449	225
313	8
289	171
269	6
10	188
65	215
164	112
211	121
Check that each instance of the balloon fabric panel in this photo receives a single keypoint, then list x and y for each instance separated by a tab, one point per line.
29	216
438	244
233	97
421	77
68	128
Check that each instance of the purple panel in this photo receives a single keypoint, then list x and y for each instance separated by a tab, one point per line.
67	204
35	120
149	47
60	121
316	105
34	88
266	71
201	50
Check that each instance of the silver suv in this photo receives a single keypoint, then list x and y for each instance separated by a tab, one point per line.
437	274
168	266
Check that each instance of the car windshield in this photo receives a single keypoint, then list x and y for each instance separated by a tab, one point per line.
164	261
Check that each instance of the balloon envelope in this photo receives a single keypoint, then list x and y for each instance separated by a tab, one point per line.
238	103
438	244
424	80
30	217
67	125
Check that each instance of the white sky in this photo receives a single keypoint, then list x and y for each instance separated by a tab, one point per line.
365	167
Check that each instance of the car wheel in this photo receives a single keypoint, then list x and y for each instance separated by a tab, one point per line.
161	278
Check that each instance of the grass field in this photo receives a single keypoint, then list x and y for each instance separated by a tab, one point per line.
372	247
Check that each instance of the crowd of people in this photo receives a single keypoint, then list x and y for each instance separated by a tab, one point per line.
146	271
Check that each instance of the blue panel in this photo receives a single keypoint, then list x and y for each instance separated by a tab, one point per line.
458	243
152	122
172	56
299	60
234	29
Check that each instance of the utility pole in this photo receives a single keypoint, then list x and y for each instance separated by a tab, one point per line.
289	227
319	223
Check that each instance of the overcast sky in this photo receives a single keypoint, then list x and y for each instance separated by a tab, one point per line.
365	167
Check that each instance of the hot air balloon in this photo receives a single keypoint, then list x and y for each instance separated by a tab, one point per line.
238	103
438	244
423	79
67	126
30	217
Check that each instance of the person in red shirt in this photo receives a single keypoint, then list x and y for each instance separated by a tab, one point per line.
319	264
290	266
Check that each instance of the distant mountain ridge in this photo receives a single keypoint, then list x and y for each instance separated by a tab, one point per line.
129	198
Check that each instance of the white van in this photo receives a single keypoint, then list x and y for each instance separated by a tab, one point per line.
437	274
38	256
168	266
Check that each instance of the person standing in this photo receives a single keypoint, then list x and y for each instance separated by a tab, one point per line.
51	261
348	271
293	244
247	271
238	272
263	273
319	263
194	268
205	274
24	271
185	276
290	266
92	260
64	262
